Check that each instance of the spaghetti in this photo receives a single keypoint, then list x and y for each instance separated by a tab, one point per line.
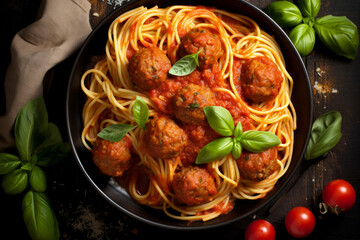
111	94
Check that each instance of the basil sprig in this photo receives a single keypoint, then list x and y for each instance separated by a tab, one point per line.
339	34
39	144
116	132
185	65
234	138
325	134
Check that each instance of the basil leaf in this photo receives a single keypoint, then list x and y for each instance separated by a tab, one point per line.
185	65
15	182
215	150
238	131
258	141
39	218
53	136
303	37
31	126
115	132
309	8
325	134
220	120
140	112
52	154
8	163
284	13
237	149
339	34
38	179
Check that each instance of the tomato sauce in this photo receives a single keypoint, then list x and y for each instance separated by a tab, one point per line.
199	136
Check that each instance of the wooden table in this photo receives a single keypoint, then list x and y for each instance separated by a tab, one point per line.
83	214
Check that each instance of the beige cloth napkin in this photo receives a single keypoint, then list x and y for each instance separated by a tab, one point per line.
62	28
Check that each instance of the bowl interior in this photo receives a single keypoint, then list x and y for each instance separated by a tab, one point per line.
95	46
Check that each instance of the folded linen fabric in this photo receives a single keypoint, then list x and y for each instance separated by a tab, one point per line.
60	30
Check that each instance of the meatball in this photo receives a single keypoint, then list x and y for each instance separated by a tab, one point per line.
260	79
112	158
257	166
164	138
148	68
200	39
194	185
189	102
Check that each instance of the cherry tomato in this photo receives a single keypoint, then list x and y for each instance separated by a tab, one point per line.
260	229
300	222
339	195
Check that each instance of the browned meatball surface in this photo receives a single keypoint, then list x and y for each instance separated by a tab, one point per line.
149	67
189	102
194	185
260	79
201	39
112	158
164	138
257	166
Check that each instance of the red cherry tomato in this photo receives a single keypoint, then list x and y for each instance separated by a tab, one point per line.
300	222
260	229
339	195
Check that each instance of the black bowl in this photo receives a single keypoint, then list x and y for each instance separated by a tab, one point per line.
95	45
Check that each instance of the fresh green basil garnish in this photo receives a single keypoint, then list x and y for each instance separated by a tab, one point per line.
237	149
185	65
37	179
309	8
140	112
31	126
115	132
222	122
339	34
39	143
238	131
325	134
15	182
285	13
215	150
258	141
303	37
38	216
8	163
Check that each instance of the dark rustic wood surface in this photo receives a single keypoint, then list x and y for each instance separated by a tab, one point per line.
83	214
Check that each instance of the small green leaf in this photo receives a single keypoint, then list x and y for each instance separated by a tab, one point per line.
215	150
38	179
115	132
52	154
185	65
39	217
53	136
258	141
140	112
15	182
339	34
31	126
309	8
325	134
238	131
284	13
220	120
8	163
303	37
237	149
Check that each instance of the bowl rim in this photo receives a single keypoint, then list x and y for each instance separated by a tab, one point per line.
274	196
